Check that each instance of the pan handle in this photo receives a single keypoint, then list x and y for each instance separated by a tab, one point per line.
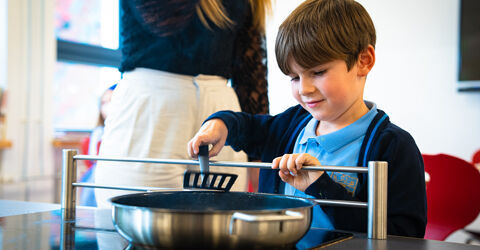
288	216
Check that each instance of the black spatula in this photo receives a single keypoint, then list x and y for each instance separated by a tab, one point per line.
210	180
206	179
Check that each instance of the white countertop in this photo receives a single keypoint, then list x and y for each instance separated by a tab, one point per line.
12	207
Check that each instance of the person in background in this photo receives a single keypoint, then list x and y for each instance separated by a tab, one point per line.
181	61
327	48
87	195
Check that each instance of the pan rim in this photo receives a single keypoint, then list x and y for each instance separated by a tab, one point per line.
114	201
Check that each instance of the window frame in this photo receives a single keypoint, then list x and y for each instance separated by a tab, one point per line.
83	53
87	54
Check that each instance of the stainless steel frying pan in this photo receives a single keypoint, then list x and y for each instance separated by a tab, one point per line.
211	220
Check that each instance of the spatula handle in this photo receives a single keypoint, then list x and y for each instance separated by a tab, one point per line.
203	159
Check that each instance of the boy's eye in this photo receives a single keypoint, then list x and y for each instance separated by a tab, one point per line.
294	78
319	73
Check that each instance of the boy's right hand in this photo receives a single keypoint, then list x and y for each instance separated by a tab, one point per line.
213	132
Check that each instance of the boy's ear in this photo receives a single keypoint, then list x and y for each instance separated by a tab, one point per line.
366	60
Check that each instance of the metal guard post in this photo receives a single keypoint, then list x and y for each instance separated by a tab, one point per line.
377	187
377	199
69	175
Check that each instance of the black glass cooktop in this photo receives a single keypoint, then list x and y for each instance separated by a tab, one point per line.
93	229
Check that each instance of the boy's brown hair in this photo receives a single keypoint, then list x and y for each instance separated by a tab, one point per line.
320	31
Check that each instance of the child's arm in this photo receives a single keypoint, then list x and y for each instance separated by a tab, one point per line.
290	166
261	136
251	133
406	189
241	131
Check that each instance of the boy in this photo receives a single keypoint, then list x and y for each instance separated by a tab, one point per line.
327	48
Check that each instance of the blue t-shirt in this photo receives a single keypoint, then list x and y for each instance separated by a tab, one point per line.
339	148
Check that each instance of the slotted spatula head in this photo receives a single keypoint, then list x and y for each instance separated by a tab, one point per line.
210	180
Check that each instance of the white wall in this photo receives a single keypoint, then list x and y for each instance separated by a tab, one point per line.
29	73
3	43
415	76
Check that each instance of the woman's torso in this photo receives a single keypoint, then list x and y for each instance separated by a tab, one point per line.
192	49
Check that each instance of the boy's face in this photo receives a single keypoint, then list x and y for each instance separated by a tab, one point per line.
331	93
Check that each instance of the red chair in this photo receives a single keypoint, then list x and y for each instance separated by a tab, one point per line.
453	195
474	234
84	150
476	158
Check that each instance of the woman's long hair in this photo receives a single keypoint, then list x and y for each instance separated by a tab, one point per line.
215	12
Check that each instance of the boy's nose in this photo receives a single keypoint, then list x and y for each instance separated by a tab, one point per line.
306	87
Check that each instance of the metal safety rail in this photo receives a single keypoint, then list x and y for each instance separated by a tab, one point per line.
377	185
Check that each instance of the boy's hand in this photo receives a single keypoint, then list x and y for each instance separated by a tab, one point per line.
212	132
290	166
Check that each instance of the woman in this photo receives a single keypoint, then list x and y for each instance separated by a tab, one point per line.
179	58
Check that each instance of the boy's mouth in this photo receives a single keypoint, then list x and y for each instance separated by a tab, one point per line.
313	104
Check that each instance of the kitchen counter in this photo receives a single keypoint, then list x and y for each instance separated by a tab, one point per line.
40	227
10	207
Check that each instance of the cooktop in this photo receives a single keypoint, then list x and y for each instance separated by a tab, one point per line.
93	229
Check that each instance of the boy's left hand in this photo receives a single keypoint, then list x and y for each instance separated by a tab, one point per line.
290	166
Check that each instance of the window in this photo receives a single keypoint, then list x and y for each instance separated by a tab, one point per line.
77	89
88	55
469	73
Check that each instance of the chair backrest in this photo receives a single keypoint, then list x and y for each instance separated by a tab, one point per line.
476	157
453	195
84	150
